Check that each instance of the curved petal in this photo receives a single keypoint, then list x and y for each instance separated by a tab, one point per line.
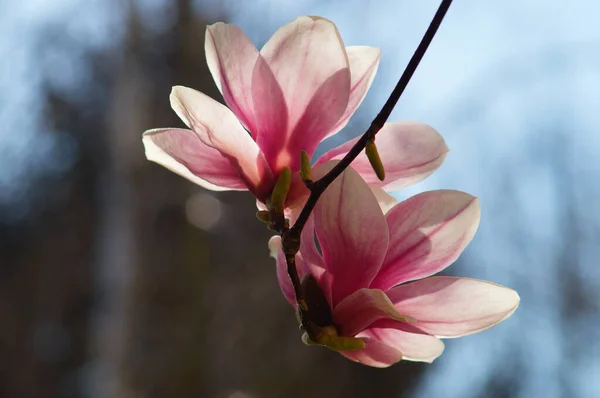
285	283
385	200
308	60
363	62
296	197
283	278
352	232
308	261
231	57
376	354
308	245
294	200
309	258
360	309
314	261
453	307
409	151
414	344
218	128
427	233
181	151
322	112
271	115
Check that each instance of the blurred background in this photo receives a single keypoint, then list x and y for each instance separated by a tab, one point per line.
120	279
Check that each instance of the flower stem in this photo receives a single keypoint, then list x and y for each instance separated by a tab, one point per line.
291	236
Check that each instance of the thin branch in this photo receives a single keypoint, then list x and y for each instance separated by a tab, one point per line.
291	237
387	109
319	186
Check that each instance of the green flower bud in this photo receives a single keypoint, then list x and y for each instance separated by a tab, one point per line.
374	159
282	187
264	216
304	166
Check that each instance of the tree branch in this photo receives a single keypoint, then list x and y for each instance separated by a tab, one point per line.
291	236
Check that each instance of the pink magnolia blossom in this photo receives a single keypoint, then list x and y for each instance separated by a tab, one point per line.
300	88
366	258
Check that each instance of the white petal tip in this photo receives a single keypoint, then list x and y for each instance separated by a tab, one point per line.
274	246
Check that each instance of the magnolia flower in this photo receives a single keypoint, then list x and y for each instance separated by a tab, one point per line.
300	88
365	260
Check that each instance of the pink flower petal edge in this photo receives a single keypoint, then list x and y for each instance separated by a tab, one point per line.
363	234
410	152
363	62
230	56
295	54
301	89
414	344
182	152
453	307
376	354
217	127
362	308
431	230
283	278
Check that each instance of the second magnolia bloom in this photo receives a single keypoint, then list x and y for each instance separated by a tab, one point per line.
300	88
365	259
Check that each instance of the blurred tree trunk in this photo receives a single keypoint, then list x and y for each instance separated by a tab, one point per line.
150	269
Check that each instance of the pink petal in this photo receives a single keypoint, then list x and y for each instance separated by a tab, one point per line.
409	152
285	283
218	128
294	201
314	261
231	57
303	268
352	232
322	112
296	197
385	200
376	354
271	115
427	233
454	307
308	261
363	62
181	151
308	245
283	278
360	309
308	61
414	344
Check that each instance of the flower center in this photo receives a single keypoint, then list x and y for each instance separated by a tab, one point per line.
318	323
320	313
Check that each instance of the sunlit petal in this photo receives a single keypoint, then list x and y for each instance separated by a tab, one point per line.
352	232
182	152
218	127
231	57
454	307
363	62
409	151
427	233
